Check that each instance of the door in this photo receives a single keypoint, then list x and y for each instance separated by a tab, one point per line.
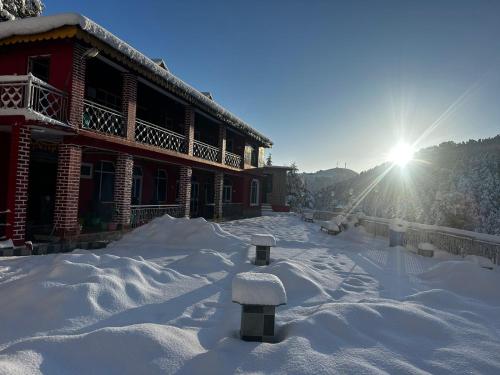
195	199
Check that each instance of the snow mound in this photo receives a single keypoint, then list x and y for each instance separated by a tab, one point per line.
480	261
465	278
263	240
167	232
251	288
203	262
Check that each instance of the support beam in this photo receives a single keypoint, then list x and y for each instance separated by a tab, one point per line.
123	190
17	191
189	128
67	190
222	142
129	103
77	90
218	189
185	190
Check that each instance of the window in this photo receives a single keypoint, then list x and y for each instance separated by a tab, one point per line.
227	191
161	185
105	176
229	145
137	185
39	66
254	193
86	170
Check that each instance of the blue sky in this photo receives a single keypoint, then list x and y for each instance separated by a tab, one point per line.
327	81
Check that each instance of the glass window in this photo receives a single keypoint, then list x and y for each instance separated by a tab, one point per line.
39	66
254	193
227	191
105	176
137	185
161	185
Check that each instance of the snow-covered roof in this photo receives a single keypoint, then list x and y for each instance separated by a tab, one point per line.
37	25
251	288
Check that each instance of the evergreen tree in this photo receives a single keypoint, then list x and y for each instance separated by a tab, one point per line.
269	161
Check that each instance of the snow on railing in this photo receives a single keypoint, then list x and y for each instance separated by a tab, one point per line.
102	119
455	241
19	94
232	160
142	214
151	134
206	151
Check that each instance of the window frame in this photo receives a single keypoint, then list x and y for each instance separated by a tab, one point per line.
101	172
257	188
227	187
165	180
30	65
90	174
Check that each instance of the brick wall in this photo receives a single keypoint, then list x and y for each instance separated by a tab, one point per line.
218	187
17	195
185	189
189	128
129	103
77	91
123	189
67	190
222	143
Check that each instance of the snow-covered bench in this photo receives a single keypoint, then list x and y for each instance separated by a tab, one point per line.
330	227
263	244
259	294
426	249
308	216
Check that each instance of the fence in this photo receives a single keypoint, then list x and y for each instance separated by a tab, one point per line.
143	214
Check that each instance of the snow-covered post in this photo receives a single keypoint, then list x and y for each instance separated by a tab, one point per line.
263	244
397	231
258	294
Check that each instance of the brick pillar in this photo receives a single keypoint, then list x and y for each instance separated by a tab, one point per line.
189	128
222	143
218	187
67	190
77	90
123	189
17	191
129	103
185	190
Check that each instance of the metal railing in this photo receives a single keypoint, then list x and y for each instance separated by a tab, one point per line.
232	160
151	134
102	119
27	92
206	151
142	214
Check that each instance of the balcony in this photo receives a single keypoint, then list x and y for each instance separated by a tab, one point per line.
102	119
206	151
232	160
150	134
33	98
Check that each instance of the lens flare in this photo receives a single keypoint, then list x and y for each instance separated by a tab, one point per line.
401	154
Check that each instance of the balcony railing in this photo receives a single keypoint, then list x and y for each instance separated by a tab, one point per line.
19	94
232	160
206	151
154	135
102	119
142	214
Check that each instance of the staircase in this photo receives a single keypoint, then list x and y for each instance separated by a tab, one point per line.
266	209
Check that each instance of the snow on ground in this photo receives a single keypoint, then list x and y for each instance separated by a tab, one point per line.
159	301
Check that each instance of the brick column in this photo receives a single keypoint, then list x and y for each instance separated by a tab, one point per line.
123	189
189	128
77	90
17	191
222	143
67	190
129	103
218	188
185	190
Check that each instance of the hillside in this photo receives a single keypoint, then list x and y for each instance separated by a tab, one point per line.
322	179
453	184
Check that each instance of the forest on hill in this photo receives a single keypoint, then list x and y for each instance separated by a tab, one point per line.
452	184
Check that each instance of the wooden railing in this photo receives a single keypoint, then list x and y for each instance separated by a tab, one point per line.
151	134
206	151
142	214
20	95
232	160
102	119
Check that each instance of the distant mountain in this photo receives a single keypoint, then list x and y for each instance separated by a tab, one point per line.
324	178
453	184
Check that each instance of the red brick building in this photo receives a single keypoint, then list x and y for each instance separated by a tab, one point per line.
95	136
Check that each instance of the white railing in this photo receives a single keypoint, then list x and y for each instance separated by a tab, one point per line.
142	214
206	151
232	160
151	134
102	119
27	92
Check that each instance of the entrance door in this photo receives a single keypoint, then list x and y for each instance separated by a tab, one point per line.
195	199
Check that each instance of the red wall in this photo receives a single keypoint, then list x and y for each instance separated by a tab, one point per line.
4	169
14	60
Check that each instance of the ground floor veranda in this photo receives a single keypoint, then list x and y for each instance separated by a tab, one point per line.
52	189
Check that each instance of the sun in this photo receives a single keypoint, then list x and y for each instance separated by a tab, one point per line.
401	154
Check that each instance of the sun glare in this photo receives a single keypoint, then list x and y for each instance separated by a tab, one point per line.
401	154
